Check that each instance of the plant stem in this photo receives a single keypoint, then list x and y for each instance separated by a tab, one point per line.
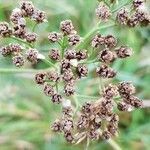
22	41
114	144
5	71
88	37
48	63
76	104
87	144
127	3
34	27
86	96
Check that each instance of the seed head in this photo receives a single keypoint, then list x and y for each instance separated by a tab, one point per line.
27	8
18	60
65	64
68	75
54	54
67	27
16	15
32	55
30	37
122	16
93	135
73	39
56	127
70	54
110	41
54	37
106	135
48	90
5	51
15	48
110	91
5	31
40	78
106	56
69	88
19	31
56	98
122	106
53	76
81	55
82	70
137	3
103	12
123	52
105	72
69	137
126	88
97	41
39	16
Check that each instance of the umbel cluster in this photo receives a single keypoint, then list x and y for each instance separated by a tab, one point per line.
95	119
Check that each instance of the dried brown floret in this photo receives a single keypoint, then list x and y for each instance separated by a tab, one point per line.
27	8
106	56
54	54
137	3
124	51
69	88
68	75
83	122
48	90
106	135
81	55
39	16
54	37
30	37
122	106
5	51
82	70
69	137
110	91
122	16
32	55
67	124
70	54
18	60
56	98
73	39
53	76
98	40
93	135
19	31
67	27
133	21
110	41
5	30
105	72
65	65
103	12
15	48
56	127
126	88
40	78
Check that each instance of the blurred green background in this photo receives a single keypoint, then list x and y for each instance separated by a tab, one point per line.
26	113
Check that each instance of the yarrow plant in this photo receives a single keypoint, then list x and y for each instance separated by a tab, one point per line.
68	64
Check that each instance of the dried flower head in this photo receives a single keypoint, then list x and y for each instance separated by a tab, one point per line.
106	56
48	90
30	37
5	30
137	3
103	12
18	60
56	98
68	75
82	70
81	55
67	27
122	16
73	39
27	8
105	72
40	78
70	54
19	31
54	37
39	16
5	51
123	52
54	54
53	76
32	55
98	40
110	41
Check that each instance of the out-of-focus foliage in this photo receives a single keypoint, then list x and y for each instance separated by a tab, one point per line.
26	113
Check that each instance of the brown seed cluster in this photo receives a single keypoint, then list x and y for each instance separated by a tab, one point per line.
19	31
135	17
103	12
109	54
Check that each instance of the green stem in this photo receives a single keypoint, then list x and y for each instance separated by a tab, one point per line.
22	41
114	145
5	71
87	144
34	27
86	96
89	36
127	3
48	63
76	104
